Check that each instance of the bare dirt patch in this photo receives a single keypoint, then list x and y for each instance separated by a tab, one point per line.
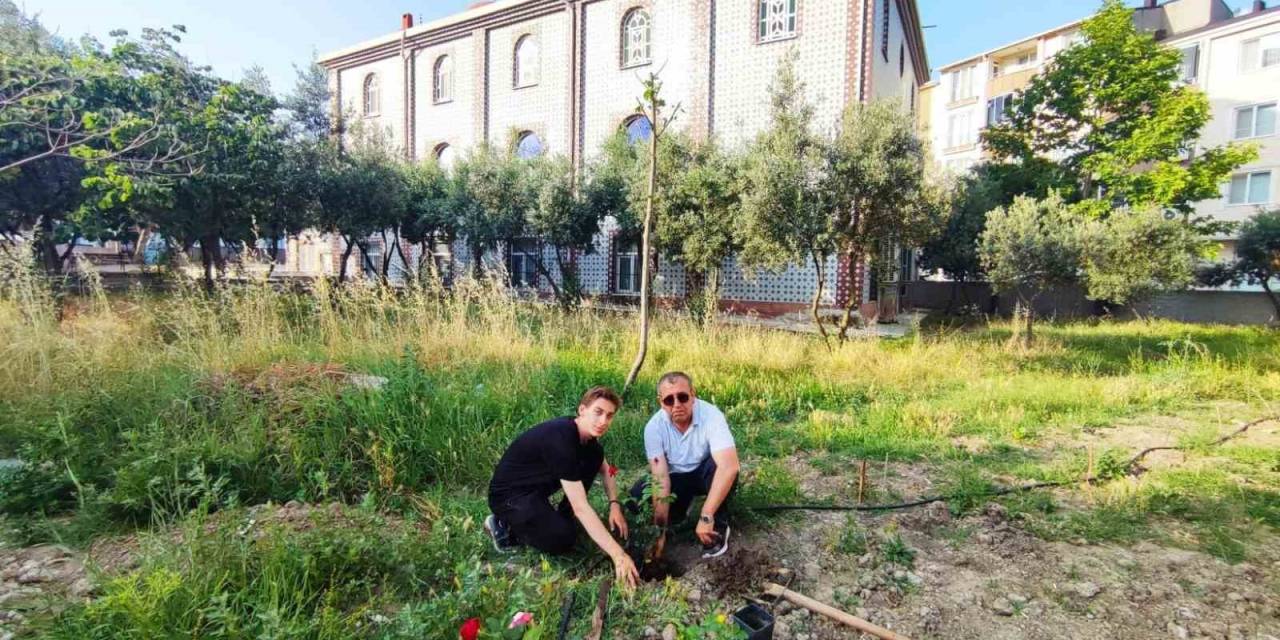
984	576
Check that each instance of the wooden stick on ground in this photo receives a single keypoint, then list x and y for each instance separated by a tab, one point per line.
779	591
602	605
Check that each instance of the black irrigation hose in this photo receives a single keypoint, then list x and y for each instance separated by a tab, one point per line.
566	613
1132	468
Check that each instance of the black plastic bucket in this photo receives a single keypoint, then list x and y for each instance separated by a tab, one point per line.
757	622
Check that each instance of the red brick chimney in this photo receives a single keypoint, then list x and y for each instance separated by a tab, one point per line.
1259	5
1150	4
406	21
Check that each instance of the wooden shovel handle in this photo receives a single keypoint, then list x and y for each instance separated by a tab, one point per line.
778	591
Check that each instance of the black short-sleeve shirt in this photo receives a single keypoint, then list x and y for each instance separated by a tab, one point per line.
541	457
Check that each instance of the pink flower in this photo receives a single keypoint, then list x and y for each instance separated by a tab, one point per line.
469	629
520	619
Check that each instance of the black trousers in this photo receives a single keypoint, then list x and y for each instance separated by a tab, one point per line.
686	487
534	522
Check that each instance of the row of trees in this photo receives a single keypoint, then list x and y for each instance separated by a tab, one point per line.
1094	173
135	138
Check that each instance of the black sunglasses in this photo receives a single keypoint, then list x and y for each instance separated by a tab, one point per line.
670	400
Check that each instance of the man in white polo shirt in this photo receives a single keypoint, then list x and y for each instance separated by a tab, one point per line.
691	453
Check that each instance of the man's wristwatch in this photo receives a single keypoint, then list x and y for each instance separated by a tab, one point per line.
706	519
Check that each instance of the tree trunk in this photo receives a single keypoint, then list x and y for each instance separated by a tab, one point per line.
855	256
66	255
543	271
387	256
346	255
817	298
206	260
645	252
1025	312
47	248
1274	296
404	260
364	258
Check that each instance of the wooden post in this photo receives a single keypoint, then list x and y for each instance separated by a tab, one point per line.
862	482
779	591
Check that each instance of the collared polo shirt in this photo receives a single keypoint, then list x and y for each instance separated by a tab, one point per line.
708	433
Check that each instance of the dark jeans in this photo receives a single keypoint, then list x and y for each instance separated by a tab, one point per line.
534	522
686	487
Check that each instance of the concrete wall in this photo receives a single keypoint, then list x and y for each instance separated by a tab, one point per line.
1224	307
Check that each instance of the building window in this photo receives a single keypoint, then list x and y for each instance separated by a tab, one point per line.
372	100
1190	63
998	109
1256	121
444	155
626	269
638	129
959	132
777	19
522	265
1260	53
637	36
526	62
1020	62
962	84
442	80
529	145
1250	188
884	32
902	59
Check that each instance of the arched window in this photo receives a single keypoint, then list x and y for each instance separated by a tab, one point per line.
638	129
529	145
526	62
444	155
372	100
777	19
442	80
637	32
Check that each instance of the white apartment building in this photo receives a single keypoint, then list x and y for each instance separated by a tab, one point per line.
1233	58
561	76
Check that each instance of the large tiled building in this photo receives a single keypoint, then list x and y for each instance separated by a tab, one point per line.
561	76
1233	57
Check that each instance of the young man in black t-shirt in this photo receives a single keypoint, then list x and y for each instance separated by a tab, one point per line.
560	454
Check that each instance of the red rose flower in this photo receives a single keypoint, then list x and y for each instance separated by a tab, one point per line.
469	629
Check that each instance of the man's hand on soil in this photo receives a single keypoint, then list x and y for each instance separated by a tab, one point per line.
706	532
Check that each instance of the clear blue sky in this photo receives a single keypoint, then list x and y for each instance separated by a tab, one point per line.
232	35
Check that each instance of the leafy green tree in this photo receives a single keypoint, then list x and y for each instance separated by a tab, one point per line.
77	117
216	207
1133	255
786	218
877	186
428	212
491	196
1109	118
1257	258
361	193
954	251
308	104
1029	247
563	219
698	215
255	79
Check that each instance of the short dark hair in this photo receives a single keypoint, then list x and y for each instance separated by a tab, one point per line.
672	376
597	392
